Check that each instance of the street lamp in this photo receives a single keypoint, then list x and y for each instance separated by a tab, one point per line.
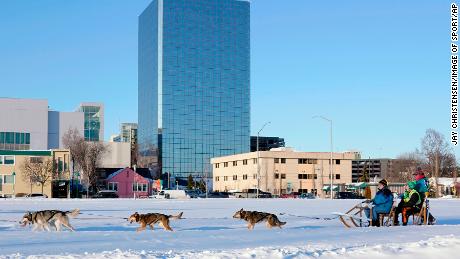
258	158
14	183
330	167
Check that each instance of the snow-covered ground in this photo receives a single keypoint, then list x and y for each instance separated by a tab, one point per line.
209	231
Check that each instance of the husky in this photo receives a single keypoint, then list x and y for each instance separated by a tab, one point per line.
44	218
150	219
253	217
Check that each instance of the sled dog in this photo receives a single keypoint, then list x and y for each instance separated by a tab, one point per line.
253	217
150	219
44	218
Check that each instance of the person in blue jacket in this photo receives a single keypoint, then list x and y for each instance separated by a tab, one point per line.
382	202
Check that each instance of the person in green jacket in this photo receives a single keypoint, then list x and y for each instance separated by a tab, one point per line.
410	204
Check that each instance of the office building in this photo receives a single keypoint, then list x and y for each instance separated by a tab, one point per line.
266	143
370	169
282	171
94	120
28	124
194	78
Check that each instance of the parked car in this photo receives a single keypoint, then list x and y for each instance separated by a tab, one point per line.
348	195
36	195
307	195
171	194
215	195
105	194
252	193
194	193
290	195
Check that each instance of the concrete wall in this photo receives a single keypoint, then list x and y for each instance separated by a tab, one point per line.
118	155
59	123
26	115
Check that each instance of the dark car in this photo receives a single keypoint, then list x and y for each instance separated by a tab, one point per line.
105	194
218	195
348	195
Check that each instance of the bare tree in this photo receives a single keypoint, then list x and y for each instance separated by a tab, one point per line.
41	172
93	158
437	152
86	156
29	172
404	166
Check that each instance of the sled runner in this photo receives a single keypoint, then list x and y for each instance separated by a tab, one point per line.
355	216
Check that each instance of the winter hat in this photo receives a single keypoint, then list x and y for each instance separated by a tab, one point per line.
419	170
419	176
384	182
411	184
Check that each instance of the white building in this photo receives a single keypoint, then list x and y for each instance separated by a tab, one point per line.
28	124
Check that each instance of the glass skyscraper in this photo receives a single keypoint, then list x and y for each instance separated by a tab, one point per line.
194	77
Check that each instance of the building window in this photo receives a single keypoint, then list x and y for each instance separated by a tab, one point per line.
225	164
245	162
277	160
337	176
303	190
283	160
245	176
312	161
36	160
225	178
314	191
235	163
302	161
277	176
337	161
254	176
217	178
235	177
315	176
303	176
254	160
112	186
283	176
139	187
8	160
8	179
216	165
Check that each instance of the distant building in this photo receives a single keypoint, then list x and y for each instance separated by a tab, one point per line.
28	124
266	143
118	155
282	171
374	168
94	120
12	181
128	132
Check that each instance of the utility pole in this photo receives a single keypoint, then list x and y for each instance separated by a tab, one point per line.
331	164
258	158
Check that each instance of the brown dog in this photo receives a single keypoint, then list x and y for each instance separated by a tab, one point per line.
253	217
150	219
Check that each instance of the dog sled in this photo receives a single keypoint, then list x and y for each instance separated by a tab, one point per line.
355	217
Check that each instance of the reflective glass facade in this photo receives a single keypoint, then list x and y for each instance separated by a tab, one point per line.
93	119
194	79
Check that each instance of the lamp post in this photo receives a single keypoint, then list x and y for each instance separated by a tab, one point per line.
14	183
258	158
331	164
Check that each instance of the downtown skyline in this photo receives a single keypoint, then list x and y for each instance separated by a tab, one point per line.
366	66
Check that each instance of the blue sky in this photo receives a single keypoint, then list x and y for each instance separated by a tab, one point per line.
379	70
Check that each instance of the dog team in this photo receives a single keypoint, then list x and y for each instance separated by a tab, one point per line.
44	219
